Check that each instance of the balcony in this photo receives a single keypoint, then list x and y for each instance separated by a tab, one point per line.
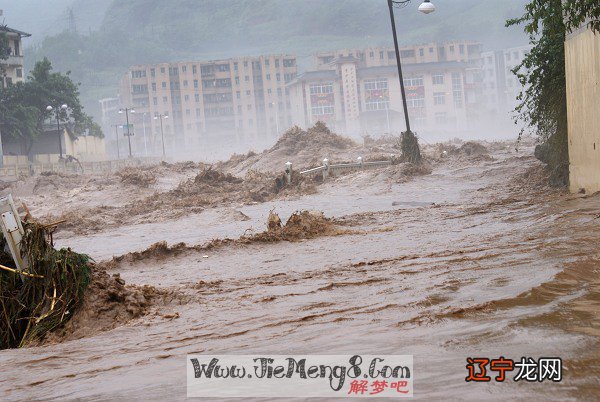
14	61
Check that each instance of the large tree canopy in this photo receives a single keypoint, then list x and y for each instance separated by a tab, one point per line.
23	105
543	102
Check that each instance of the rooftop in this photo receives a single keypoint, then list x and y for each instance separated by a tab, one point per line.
4	28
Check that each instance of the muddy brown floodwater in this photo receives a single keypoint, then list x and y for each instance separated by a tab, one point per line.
476	259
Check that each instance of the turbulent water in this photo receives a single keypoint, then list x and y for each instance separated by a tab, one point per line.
476	259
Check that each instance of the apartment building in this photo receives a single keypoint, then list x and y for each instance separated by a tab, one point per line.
13	66
459	51
500	85
359	97
241	99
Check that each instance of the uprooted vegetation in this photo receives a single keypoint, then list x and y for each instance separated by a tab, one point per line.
44	296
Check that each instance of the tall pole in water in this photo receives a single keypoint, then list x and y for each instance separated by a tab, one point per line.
117	135
397	48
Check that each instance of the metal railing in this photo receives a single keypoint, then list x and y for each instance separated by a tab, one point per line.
328	169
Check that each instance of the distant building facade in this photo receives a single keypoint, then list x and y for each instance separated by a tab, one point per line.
501	86
239	99
358	91
14	65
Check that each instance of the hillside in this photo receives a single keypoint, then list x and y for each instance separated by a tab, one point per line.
141	31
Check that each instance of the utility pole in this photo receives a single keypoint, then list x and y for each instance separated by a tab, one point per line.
129	134
117	135
409	141
162	134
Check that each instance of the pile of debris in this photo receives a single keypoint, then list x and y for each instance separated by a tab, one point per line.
301	225
303	148
136	177
45	292
471	150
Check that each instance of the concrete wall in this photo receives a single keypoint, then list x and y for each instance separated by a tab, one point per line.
583	100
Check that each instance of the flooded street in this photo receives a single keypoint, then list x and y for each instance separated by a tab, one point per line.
470	261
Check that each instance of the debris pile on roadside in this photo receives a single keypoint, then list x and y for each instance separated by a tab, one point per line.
42	297
137	177
305	148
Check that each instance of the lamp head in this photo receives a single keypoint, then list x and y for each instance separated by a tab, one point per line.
64	107
427	7
49	108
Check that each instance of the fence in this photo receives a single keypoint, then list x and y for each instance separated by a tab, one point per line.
333	170
16	171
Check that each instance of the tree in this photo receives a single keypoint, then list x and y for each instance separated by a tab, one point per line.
4	50
23	105
543	102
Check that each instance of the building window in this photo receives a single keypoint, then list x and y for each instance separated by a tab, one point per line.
278	77
439	98
440	118
413	82
197	97
238	95
183	69
154	87
185	83
267	62
276	63
164	85
187	98
138	74
377	96
19	73
165	99
223	67
421	52
321	110
194	70
289	62
237	80
461	49
371	54
162	70
153	72
381	55
139	89
155	101
407	53
195	83
438	79
414	103
249	107
451	48
321	89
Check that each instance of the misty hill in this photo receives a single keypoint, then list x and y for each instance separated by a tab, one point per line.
144	31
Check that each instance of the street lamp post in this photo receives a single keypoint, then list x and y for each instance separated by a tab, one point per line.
162	135
426	7
57	110
126	111
144	125
117	135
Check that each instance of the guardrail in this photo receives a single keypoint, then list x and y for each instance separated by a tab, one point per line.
15	172
332	170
